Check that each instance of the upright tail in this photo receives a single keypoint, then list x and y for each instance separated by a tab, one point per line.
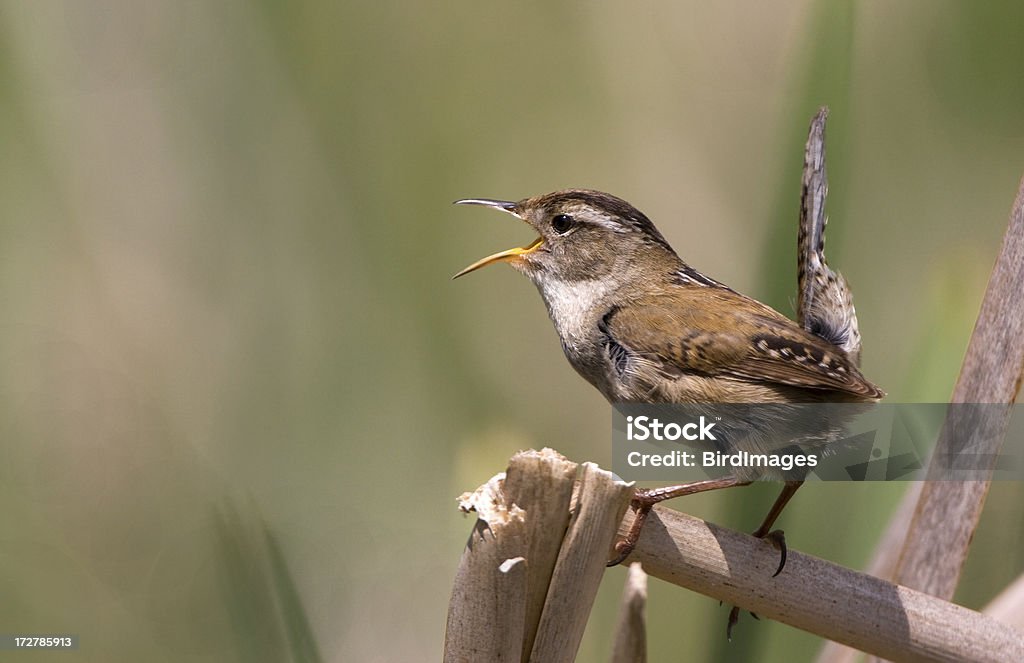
824	303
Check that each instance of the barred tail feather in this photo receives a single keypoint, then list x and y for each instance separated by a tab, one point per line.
824	302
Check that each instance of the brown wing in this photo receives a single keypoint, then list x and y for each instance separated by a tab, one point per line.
718	332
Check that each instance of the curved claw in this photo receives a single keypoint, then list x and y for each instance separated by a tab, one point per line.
622	550
734	616
778	539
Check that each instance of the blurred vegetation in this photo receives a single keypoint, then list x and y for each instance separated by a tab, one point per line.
225	244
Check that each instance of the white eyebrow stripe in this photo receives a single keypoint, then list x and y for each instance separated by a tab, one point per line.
608	223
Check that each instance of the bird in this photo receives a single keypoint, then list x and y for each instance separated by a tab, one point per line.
643	326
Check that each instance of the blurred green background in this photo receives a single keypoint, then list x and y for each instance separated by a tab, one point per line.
239	391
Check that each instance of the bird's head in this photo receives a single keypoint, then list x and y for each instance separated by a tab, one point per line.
582	235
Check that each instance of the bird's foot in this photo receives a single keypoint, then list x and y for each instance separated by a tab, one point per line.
644	500
641	504
778	540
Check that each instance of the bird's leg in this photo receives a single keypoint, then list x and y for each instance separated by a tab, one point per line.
776	537
644	500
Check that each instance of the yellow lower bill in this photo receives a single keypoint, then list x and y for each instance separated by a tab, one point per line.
502	256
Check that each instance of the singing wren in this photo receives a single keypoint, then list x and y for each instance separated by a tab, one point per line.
643	326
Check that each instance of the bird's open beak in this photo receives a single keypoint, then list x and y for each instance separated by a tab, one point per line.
501	256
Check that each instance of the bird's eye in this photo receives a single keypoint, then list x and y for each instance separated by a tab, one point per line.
562	223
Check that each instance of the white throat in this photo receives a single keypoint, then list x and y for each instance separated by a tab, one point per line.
574	307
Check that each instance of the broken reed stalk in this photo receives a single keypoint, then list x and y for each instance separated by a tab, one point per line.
492	596
601	501
488	604
631	632
812	594
563	531
948	512
541	483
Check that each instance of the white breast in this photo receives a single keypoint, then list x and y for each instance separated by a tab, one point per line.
575	307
